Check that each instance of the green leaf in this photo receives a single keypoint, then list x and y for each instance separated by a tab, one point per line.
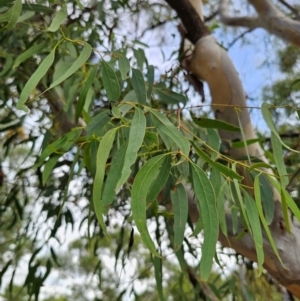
170	97
150	77
207	206
138	85
124	66
215	124
278	157
266	196
59	146
160	181
257	195
34	80
102	156
97	123
12	15
180	209
213	141
268	119
220	167
28	54
113	177
140	57
165	126
136	137
50	164
157	262
255	229
141	185
289	200
84	91
59	19
110	82
83	57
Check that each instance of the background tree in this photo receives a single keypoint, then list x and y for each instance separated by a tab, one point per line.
107	142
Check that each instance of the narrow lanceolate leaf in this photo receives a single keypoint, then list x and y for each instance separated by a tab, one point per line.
28	54
84	91
124	66
59	146
266	196
141	185
50	164
268	119
255	229
113	177
150	77
138	85
216	124
222	168
12	15
165	126
157	262
207	204
102	156
170	97
180	209
289	200
83	57
278	157
97	123
110	82
160	181
257	195
59	19
34	80
135	140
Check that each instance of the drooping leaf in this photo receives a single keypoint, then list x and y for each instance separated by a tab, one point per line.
110	82
85	54
50	164
165	126
59	19
150	77
97	123
28	53
257	195
84	91
141	185
11	16
102	156
136	137
59	146
180	209
170	97
278	157
268	119
113	177
138	85
255	229
157	262
207	206
160	180
34	80
140	57
124	66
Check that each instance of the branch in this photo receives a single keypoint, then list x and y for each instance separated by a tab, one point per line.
291	8
249	22
194	26
269	18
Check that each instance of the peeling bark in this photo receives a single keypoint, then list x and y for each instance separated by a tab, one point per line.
212	64
268	17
